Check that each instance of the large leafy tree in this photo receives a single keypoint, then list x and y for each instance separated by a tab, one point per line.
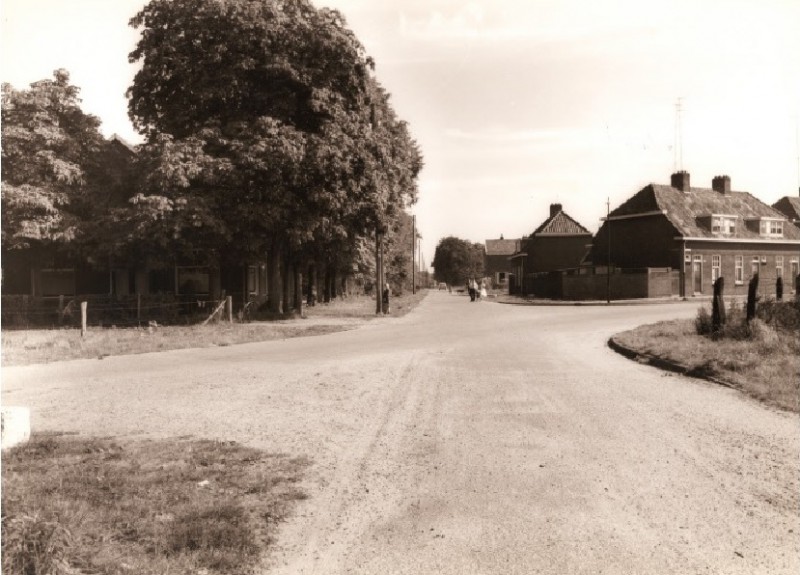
456	261
50	152
270	106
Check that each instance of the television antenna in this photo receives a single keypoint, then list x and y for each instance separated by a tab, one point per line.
677	149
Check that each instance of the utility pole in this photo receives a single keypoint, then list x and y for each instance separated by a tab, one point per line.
413	254
608	255
378	272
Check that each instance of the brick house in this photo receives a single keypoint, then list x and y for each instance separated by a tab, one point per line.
52	272
789	206
495	262
558	243
704	233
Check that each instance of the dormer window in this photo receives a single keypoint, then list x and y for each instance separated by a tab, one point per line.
771	228
723	225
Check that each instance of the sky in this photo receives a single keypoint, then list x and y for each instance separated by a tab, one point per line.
517	104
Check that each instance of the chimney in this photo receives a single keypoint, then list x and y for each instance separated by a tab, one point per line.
554	209
501	236
680	180
721	184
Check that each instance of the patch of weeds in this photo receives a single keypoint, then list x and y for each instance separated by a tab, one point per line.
78	505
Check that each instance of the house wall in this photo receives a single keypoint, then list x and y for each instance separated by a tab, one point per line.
638	243
727	252
494	266
548	253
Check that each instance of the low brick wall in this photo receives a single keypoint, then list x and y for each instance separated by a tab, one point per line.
594	284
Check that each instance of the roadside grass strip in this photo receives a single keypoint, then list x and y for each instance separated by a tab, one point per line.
765	364
25	347
102	506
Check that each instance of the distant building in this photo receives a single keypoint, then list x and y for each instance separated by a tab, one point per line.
496	264
789	206
703	233
558	243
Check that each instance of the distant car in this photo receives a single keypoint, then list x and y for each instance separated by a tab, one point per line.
442	286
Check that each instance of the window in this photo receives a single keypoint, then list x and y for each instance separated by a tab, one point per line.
754	265
723	225
192	280
739	270
795	266
778	266
57	281
715	268
771	228
252	279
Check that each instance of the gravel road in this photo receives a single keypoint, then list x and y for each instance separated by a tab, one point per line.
471	438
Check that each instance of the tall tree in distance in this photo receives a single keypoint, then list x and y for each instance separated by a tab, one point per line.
455	261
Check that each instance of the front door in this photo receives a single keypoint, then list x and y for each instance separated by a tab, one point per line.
697	275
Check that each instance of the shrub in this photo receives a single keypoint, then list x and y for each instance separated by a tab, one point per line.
783	316
33	545
703	323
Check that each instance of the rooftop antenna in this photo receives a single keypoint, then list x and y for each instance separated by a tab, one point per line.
797	146
678	147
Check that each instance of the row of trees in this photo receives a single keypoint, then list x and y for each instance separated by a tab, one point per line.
266	132
456	261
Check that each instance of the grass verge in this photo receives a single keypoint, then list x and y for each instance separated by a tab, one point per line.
766	368
24	347
75	505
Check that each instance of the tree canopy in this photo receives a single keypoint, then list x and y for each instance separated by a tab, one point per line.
266	129
455	260
49	148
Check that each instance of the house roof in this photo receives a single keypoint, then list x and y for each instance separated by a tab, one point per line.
789	206
686	210
501	247
560	224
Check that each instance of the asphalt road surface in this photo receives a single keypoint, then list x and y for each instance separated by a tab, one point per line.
471	438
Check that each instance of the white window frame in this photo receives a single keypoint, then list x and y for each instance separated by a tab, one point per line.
716	268
770	228
738	274
721	224
755	266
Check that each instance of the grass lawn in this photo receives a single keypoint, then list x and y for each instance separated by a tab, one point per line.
23	347
77	505
766	367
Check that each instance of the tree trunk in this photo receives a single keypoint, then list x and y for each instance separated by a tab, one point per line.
313	289
326	287
298	289
334	284
288	278
275	279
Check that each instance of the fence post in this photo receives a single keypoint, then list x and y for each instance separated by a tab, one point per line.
83	318
229	308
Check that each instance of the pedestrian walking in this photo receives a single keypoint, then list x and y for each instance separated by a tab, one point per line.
472	290
483	289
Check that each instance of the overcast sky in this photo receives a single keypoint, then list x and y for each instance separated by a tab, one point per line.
517	104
